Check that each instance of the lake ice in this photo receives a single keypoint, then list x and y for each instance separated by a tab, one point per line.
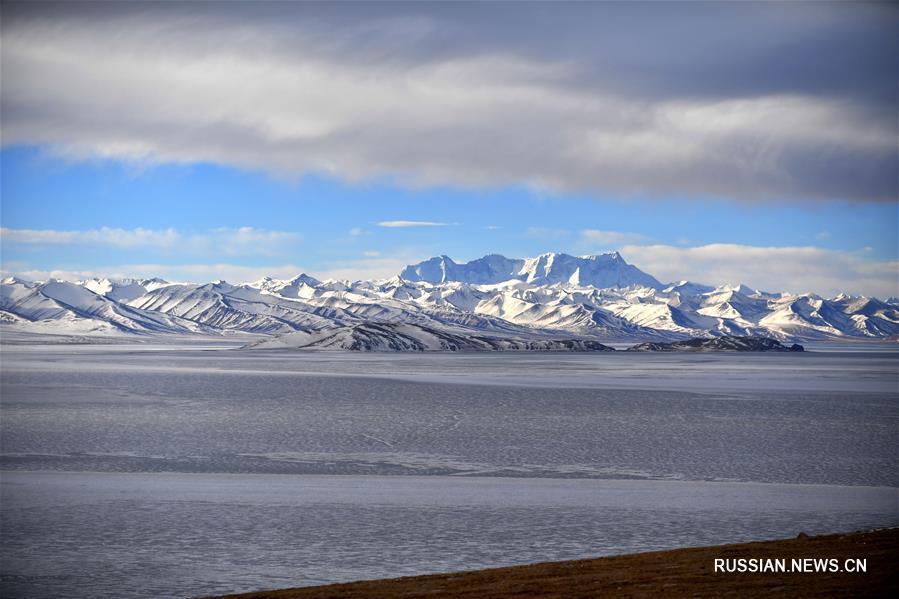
180	472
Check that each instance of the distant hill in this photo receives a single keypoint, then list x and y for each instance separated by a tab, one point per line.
717	344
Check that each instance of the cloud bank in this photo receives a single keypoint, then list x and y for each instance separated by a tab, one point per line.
367	267
610	238
735	100
403	224
793	269
232	242
176	273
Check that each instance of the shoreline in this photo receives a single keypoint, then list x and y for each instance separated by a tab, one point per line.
685	572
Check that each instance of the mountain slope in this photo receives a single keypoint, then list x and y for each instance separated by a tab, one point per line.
70	306
380	337
224	306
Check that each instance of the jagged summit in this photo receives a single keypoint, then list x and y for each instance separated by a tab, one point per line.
483	271
286	287
600	271
123	289
11	280
304	279
688	287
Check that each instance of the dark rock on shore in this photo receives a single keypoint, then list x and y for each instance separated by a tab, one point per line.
726	343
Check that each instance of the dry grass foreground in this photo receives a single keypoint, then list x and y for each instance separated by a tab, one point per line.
677	573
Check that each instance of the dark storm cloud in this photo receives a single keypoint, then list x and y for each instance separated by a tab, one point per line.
745	100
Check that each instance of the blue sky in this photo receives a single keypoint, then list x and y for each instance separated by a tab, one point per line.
348	140
329	225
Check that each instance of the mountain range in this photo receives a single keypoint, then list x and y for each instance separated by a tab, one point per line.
551	302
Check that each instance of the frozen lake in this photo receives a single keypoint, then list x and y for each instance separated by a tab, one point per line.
171	535
177	472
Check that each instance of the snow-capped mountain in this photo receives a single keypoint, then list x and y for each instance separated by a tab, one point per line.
483	271
601	271
553	301
123	289
62	307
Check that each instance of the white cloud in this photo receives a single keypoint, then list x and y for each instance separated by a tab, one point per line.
33	274
195	273
546	233
122	238
231	242
410	223
610	238
794	269
371	254
356	232
367	268
249	240
370	267
281	96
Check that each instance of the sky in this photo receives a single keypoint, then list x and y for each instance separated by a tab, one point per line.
715	142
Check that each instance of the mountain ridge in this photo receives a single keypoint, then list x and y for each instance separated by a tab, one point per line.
598	270
533	302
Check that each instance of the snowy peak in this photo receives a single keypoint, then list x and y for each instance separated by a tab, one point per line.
488	270
301	285
14	281
304	279
123	290
600	271
688	288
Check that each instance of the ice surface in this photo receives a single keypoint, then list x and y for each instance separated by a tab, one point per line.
175	535
215	411
161	471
